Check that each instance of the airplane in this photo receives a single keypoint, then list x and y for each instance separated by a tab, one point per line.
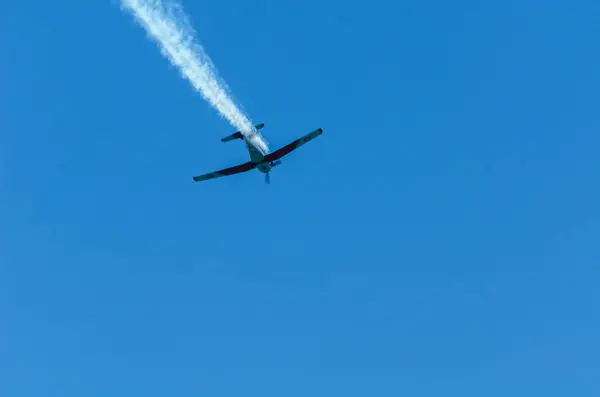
259	157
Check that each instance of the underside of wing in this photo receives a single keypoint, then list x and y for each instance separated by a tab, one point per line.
226	172
279	153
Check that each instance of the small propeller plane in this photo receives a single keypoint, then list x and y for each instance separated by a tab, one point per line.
259	158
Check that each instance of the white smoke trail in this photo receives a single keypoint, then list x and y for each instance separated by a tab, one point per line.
166	23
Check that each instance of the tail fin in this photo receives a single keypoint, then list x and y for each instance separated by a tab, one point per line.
238	134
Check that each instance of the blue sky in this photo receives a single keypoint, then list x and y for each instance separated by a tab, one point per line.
440	237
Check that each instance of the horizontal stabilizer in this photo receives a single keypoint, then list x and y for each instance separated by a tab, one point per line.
238	134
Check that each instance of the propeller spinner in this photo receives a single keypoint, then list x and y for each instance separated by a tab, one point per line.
267	176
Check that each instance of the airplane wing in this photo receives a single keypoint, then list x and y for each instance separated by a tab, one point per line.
279	153
227	171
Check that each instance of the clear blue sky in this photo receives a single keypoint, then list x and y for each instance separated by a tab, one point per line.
442	237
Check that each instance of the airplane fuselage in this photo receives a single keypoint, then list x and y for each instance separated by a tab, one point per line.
257	155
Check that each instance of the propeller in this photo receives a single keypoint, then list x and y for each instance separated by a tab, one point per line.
267	177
